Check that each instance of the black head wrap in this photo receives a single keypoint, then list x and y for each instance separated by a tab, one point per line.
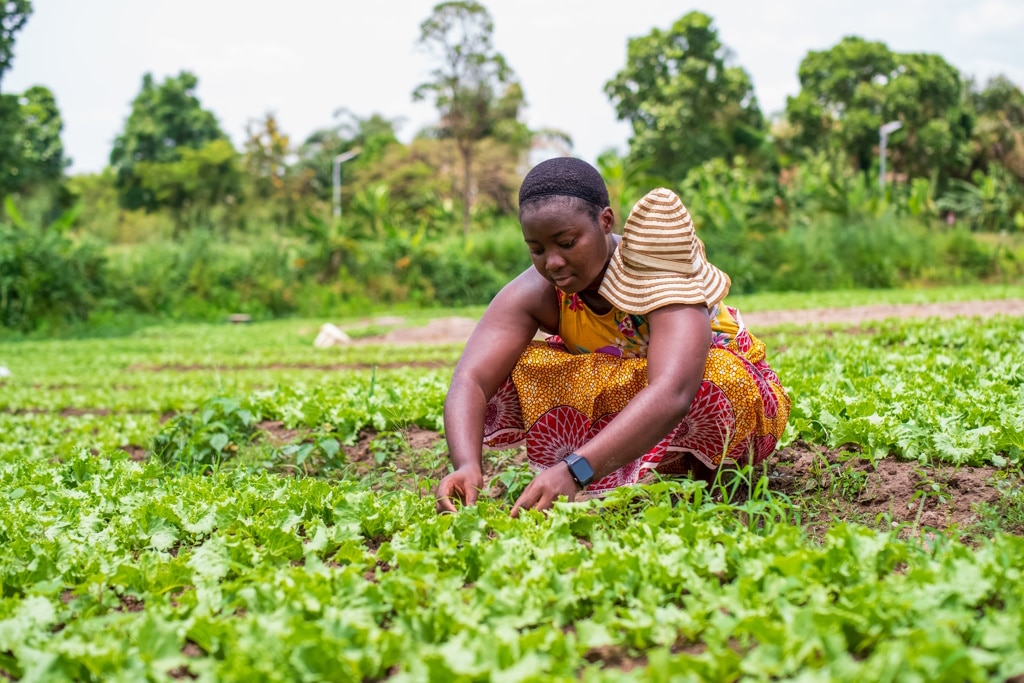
564	176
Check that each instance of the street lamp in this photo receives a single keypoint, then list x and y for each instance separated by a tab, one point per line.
883	134
344	156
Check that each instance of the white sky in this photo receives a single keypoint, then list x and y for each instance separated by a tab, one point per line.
304	59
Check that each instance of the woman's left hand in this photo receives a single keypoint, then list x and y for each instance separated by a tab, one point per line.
545	489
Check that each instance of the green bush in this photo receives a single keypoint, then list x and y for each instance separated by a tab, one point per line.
203	278
45	277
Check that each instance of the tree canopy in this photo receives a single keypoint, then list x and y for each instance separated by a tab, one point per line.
686	104
848	91
472	86
13	15
999	130
32	152
165	119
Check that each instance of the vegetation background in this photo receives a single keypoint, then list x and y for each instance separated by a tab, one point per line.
183	225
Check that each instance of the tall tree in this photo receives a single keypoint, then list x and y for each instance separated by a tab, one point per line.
33	154
191	185
274	183
166	118
267	149
686	104
473	88
13	15
998	135
848	91
39	143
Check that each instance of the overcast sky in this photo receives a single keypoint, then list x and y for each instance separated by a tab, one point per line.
304	59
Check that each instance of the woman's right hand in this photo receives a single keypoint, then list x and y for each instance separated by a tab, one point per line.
464	485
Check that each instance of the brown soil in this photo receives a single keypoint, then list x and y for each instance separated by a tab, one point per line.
860	314
135	453
438	331
276	434
888	491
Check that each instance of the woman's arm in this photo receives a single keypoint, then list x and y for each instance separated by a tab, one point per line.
676	355
512	319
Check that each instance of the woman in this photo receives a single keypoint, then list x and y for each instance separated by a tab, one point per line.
647	373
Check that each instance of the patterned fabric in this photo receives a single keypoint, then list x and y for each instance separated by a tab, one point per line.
564	390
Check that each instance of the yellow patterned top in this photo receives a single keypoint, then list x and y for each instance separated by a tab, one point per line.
622	334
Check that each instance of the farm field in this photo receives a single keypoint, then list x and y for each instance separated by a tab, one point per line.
222	502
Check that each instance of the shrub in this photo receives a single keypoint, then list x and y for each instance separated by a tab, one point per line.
45	277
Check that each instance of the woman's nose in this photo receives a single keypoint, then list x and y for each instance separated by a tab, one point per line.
554	262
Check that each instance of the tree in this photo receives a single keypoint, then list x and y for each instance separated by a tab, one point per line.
685	103
472	87
38	140
165	119
274	184
192	184
848	91
372	135
13	15
998	135
33	156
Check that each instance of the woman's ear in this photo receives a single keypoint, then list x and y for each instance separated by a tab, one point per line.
606	220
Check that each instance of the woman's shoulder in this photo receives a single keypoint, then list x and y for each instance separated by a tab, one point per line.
529	293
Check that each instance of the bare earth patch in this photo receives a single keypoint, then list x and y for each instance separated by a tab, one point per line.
885	491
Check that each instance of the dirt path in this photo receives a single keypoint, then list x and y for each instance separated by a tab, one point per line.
457	330
861	314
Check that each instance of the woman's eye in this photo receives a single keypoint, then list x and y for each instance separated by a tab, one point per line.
567	245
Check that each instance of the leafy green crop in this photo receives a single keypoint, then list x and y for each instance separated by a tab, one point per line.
935	392
140	544
194	443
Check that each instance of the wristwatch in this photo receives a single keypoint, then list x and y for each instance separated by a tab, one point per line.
581	471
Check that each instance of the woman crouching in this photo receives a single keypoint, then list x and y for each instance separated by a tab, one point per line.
647	372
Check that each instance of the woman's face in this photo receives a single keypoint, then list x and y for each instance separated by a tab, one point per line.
567	246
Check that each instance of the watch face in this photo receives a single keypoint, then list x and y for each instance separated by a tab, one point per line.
580	469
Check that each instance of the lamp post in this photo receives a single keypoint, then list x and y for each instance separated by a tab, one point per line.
338	160
883	135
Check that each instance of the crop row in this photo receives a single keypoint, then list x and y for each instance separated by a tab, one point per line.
117	570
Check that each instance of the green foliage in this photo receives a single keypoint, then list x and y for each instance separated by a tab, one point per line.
626	179
686	104
998	135
13	16
200	277
276	190
39	145
32	155
197	443
473	88
44	275
166	118
994	201
848	91
192	185
927	391
372	136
